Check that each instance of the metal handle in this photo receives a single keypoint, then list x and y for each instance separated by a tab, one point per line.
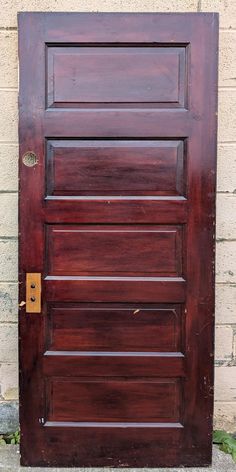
30	159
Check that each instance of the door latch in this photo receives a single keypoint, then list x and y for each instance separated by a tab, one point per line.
33	293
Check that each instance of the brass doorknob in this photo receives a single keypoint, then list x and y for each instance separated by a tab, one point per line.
30	159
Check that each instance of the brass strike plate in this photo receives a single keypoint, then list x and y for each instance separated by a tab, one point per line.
33	293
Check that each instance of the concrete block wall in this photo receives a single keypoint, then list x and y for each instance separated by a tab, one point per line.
225	387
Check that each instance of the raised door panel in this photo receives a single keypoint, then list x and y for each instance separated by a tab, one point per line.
125	328
112	400
115	167
114	250
107	75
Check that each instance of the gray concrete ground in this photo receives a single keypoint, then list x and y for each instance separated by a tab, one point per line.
10	462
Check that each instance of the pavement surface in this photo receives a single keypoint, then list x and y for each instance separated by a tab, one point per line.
10	462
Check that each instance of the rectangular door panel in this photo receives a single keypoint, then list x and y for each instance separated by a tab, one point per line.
111	400
114	250
115	75
108	328
115	167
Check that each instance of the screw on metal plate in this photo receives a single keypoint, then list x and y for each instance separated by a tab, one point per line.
30	159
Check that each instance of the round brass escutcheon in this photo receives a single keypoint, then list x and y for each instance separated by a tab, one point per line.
30	159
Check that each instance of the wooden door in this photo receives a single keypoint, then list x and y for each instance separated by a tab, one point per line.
118	115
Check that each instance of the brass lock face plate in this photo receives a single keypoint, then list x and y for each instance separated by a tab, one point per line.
33	293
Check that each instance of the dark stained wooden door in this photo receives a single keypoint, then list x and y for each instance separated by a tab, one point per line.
118	217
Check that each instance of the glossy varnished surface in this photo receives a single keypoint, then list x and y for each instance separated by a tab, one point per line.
104	327
112	400
118	217
113	75
123	250
115	167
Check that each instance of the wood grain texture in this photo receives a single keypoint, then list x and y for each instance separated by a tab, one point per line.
112	400
111	75
123	250
115	167
118	212
107	328
113	364
115	289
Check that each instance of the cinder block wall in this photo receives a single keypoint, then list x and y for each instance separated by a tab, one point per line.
225	388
